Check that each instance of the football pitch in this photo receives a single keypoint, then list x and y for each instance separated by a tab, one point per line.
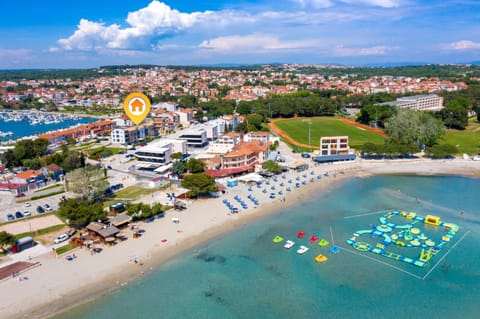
298	130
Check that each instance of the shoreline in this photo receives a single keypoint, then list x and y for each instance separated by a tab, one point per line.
59	285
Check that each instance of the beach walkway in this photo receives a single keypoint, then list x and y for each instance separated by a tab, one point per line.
14	268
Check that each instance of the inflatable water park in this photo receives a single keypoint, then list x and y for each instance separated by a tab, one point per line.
415	241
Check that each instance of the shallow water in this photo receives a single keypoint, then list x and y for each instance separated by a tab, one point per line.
245	275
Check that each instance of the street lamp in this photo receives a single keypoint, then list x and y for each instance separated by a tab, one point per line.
309	132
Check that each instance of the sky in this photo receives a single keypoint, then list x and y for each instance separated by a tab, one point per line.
87	33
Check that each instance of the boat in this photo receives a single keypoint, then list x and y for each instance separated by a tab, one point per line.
320	258
289	244
323	243
313	239
277	239
300	234
302	250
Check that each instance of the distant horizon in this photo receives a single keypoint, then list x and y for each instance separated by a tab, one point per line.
235	65
88	34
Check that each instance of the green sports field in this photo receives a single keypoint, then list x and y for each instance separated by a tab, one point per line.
467	141
297	129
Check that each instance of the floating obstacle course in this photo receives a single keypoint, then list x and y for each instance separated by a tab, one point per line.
409	236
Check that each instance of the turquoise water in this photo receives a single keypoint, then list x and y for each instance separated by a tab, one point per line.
245	275
23	128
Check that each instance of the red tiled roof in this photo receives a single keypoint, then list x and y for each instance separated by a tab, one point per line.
28	174
228	171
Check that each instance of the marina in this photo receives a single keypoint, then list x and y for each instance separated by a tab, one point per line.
22	124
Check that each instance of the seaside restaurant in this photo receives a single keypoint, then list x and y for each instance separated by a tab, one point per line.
102	231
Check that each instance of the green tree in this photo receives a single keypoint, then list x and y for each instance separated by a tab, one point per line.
254	122
195	165
274	146
199	183
455	115
179	168
80	212
71	141
411	127
272	166
87	181
6	240
441	151
177	156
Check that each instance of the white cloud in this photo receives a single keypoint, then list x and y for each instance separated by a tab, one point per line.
376	50
148	28
375	3
315	3
153	21
330	3
253	43
464	45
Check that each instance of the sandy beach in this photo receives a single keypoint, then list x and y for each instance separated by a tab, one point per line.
59	284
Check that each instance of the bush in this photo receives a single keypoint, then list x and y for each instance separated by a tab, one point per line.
441	151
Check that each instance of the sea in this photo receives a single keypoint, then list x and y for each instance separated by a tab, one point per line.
245	275
23	128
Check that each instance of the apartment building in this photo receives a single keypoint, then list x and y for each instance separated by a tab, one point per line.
195	137
159	153
246	154
133	134
334	145
423	102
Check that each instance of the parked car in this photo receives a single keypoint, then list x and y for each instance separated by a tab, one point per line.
48	207
27	213
10	217
27	204
61	238
40	210
19	215
305	155
20	195
109	167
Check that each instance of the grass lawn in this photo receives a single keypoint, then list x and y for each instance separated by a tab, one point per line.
47	188
133	192
40	232
298	129
468	140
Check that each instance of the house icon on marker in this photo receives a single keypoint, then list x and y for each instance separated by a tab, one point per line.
137	106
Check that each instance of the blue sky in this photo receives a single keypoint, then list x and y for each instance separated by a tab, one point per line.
87	33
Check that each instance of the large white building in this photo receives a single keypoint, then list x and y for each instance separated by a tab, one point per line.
159	153
424	102
195	137
132	135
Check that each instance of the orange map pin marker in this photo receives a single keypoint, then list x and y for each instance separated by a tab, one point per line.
137	107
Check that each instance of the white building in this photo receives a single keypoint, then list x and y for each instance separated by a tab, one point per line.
424	102
159	153
334	145
169	106
195	137
225	143
212	131
132	135
260	136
